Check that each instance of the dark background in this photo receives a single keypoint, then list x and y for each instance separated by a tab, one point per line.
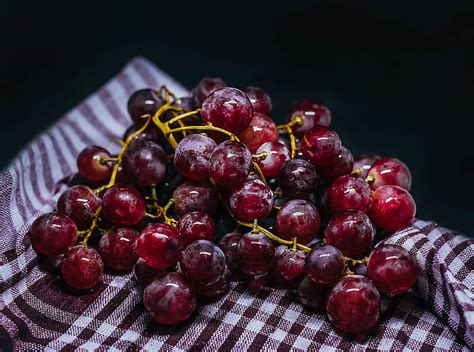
398	77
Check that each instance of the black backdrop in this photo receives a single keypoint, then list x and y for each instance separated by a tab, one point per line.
398	78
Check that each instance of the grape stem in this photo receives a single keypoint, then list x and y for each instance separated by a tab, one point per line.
356	172
182	116
370	179
169	220
298	120
260	156
88	233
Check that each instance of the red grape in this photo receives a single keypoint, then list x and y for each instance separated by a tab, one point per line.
351	232
195	226
204	264
342	166
363	164
92	164
349	193
230	163
277	154
123	205
195	196
390	171
262	129
321	146
291	264
228	244
393	208
169	298
255	254
298	218
205	87
228	108
143	102
144	273
312	295
392	269
260	100
325	265
118	248
82	267
192	156
159	245
145	162
253	200
312	113
53	234
297	178
79	203
353	304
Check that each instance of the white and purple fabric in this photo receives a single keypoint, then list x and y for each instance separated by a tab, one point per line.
37	312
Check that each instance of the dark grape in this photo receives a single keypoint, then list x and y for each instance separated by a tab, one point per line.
82	267
227	108
298	178
195	226
255	254
325	265
195	196
144	273
393	208
392	269
123	205
291	264
260	100
205	87
204	264
253	200
143	102
228	244
342	166
169	298
159	245
390	171
230	163
321	146
312	295
349	193
118	248
277	154
353	304
312	113
351	232
79	203
262	129
298	218
192	156
53	234
93	164
145	162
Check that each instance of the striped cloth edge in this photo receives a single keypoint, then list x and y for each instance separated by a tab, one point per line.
37	311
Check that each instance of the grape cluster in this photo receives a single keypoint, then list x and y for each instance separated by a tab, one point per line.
303	213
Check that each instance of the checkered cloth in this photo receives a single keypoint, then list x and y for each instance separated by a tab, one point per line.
38	312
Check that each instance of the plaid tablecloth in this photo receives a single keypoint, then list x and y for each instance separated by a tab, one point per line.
38	312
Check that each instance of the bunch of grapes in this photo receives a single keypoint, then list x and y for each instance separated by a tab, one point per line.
303	214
